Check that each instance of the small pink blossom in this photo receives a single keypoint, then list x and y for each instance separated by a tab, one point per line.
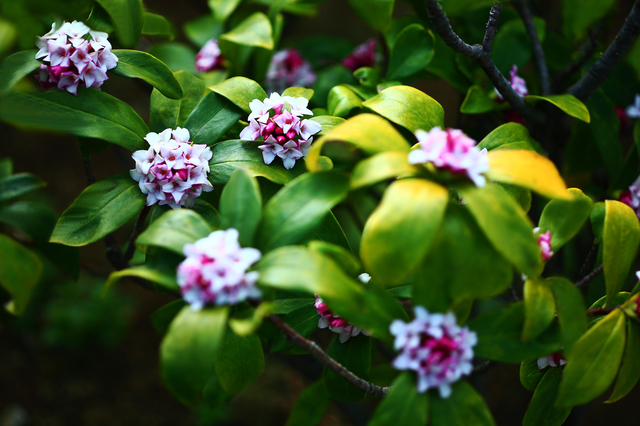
631	197
288	68
556	359
544	242
451	150
435	347
209	58
633	110
364	55
517	82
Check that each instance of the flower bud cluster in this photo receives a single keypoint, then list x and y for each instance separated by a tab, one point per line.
172	171
277	121
287	69
451	150
73	56
209	58
518	83
364	55
556	359
215	271
544	241
631	197
435	347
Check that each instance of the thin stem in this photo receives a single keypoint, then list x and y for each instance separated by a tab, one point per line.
88	170
588	262
137	229
604	66
315	351
601	311
583	283
483	368
538	53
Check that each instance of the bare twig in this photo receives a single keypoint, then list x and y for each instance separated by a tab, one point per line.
538	53
137	229
604	66
588	262
483	368
315	351
601	311
583	283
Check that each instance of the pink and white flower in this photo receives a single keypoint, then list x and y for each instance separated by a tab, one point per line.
451	150
518	83
633	111
209	58
278	122
172	171
544	241
288	68
74	56
364	55
631	197
556	359
215	271
435	347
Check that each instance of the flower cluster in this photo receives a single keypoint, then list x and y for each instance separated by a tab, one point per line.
277	121
435	347
288	68
215	271
518	84
556	359
209	57
336	324
631	197
544	241
73	56
364	55
451	150
172	171
633	111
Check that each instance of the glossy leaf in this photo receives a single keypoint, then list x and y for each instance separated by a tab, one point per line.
211	119
137	64
157	26
93	114
569	104
540	308
409	215
407	107
241	205
630	369
341	255
171	113
463	408
505	225
506	134
327	122
530	374
593	362
620	240
17	66
254	31
520	195
298	92
411	52
330	231
342	100
477	102
402	405
355	355
238	362
173	230
571	311
377	13
542	410
188	349
20	271
240	91
597	219
380	167
127	17
99	210
162	317
527	169
298	208
20	184
564	218
166	279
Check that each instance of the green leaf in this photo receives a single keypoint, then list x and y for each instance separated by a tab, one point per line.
330	231
571	311
499	334
530	374
564	218
409	215
157	26
407	107
342	100
176	56
355	356
202	29
527	169
20	184
540	308
211	119
239	361
505	225
341	255
254	31
310	406
593	362
597	219
163	316
620	241
188	350
171	113
512	44
229	156
327	122
542	410
136	64
93	114
99	20
463	408
6	167
99	210
520	195
605	131
411	52
167	279
367	132
127	17
630	369
222	9
579	15
402	405
240	91
17	66
304	320
208	213
173	230
477	102
377	13
298	208
380	167
569	104
298	92
20	271
506	134
241	205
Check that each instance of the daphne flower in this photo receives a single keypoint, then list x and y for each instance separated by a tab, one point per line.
633	111
215	271
172	171
631	197
209	58
544	241
287	69
451	150
336	324
518	83
363	55
435	347
556	359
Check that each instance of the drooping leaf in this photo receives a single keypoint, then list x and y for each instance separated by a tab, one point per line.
127	18
403	405
310	406
167	279
462	408
20	271
240	206
137	64
171	113
571	311
14	186
239	361
630	369
540	308
564	218
157	26
569	104
163	316
411	52
298	92
506	134
342	100
379	167
173	230
542	410
211	119
99	210
355	355
240	91
377	13
339	254
477	102
15	67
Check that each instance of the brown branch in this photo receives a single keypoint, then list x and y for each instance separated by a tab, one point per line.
538	53
315	351
588	262
601	311
583	283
